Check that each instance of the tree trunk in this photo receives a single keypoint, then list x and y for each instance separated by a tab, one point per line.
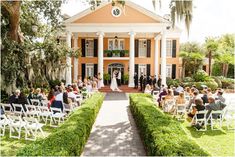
13	10
210	63
226	70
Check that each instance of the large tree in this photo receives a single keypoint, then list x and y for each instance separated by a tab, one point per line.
211	47
192	58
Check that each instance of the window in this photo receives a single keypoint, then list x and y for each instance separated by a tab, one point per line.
142	69
116	44
89	47
168	70
142	48
169	48
89	70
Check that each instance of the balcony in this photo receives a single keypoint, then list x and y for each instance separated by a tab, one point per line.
116	54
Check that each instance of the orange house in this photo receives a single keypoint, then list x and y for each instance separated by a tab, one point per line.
130	39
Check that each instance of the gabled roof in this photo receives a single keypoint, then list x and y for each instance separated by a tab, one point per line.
128	3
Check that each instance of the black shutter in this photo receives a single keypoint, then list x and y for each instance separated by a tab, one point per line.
136	48
148	69
83	47
148	48
159	69
137	69
96	70
160	48
173	48
95	47
83	71
173	71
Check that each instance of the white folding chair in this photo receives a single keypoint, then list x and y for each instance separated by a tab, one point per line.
18	109
180	110
44	113
3	123
229	117
7	108
16	124
44	102
35	102
201	119
215	117
57	116
32	127
168	105
79	98
32	111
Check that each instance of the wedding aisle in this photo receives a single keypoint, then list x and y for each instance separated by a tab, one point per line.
114	132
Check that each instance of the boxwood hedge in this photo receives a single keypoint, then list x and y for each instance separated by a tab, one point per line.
70	138
161	134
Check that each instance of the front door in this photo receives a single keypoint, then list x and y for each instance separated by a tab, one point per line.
116	66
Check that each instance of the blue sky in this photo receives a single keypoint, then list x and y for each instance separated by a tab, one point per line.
210	17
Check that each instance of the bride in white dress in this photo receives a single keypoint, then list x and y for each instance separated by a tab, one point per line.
114	85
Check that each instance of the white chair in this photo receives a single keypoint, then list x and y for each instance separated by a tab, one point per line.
44	113
168	105
201	119
16	124
180	110
44	102
215	117
3	123
35	102
18	109
79	98
7	108
32	111
32	127
229	117
57	116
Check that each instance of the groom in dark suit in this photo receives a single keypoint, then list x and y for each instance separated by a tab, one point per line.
118	76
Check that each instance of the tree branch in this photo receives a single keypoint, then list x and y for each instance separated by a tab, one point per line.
7	6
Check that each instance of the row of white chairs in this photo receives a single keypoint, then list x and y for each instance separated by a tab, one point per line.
16	124
215	119
40	112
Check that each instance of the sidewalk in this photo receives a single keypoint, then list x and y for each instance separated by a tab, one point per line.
114	132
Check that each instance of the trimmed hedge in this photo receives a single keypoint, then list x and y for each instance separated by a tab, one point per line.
70	138
161	134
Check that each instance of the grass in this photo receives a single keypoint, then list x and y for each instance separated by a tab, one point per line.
216	142
10	146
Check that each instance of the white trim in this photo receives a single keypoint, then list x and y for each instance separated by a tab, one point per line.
116	58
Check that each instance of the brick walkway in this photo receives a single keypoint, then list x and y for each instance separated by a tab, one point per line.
114	132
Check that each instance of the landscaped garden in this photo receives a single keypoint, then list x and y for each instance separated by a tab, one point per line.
165	136
68	139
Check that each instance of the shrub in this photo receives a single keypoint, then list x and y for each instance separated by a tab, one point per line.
70	138
107	78
226	82
161	134
187	79
201	76
210	84
53	83
218	81
173	82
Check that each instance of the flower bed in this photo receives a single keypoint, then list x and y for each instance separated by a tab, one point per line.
161	134
70	138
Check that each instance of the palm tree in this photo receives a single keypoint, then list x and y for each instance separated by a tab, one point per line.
211	47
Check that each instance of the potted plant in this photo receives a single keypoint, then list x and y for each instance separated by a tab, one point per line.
126	78
116	53
107	78
126	53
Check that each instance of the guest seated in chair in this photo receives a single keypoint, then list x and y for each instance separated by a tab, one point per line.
198	107
214	106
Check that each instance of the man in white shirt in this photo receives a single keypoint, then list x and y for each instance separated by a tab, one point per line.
71	94
179	89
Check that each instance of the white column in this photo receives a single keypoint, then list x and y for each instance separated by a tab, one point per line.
68	61
163	58
75	72
156	63
101	55
132	59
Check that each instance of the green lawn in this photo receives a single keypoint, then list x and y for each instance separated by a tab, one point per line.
10	146
216	142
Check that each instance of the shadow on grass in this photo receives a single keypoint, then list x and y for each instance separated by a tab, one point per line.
208	132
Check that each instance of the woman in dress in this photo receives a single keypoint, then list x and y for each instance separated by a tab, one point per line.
114	85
